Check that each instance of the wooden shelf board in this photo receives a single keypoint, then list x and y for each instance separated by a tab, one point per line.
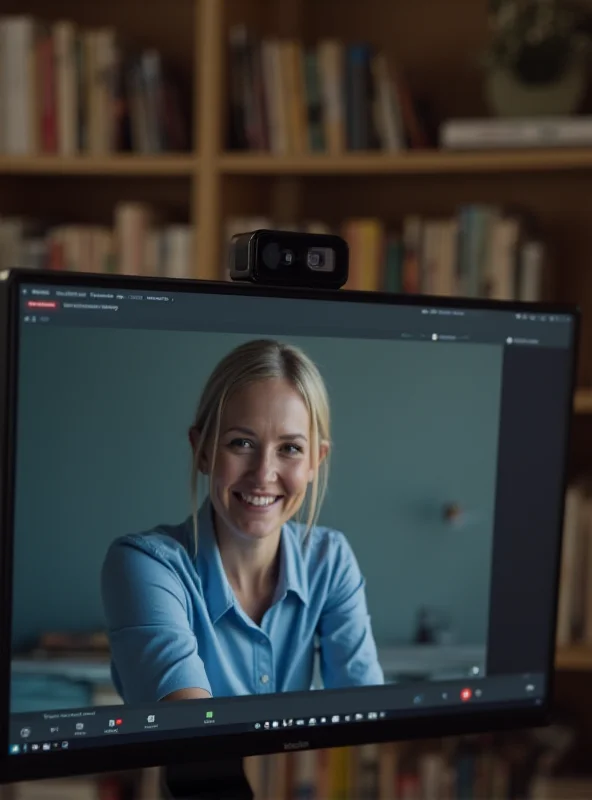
574	657
99	165
583	401
412	162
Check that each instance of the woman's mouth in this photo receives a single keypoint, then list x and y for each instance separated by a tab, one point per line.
260	502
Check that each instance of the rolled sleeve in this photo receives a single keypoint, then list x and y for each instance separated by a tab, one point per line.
153	647
348	652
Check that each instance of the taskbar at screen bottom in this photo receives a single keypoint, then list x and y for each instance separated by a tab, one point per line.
284	726
50	731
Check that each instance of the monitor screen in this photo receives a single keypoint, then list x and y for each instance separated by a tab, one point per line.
281	519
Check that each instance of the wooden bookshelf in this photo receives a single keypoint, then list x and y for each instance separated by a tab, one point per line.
421	162
114	165
193	36
574	658
424	162
583	401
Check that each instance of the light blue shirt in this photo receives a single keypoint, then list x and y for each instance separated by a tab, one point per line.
175	623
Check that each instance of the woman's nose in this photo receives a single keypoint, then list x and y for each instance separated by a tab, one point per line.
265	467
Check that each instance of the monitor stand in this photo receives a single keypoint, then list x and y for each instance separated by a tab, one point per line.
206	780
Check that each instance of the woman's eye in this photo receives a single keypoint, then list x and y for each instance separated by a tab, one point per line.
293	449
240	443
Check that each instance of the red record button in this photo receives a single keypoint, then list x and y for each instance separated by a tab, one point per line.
465	695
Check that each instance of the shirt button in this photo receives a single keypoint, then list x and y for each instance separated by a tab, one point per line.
265	679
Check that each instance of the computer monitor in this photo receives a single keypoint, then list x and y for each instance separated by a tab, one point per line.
305	518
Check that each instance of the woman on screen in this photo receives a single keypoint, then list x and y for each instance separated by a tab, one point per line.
237	599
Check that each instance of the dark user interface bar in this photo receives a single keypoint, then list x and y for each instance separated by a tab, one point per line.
56	730
82	307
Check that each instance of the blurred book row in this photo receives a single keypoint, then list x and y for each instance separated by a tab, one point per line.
138	243
117	786
478	252
65	90
481	251
289	98
518	765
574	615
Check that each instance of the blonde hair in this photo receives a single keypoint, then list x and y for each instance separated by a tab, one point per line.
258	360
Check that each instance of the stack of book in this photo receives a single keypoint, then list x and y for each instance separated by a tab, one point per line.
138	243
288	98
66	91
510	766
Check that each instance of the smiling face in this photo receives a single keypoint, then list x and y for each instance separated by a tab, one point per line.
263	463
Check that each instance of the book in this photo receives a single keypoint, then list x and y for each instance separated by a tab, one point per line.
482	134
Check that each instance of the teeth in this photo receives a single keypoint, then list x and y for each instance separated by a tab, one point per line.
258	500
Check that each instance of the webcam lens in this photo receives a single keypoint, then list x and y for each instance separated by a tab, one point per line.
287	258
315	259
274	256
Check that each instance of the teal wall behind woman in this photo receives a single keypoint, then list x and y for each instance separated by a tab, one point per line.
103	451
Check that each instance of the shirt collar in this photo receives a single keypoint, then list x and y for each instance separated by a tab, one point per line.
292	577
218	593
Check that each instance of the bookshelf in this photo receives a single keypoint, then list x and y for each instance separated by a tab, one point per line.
206	184
574	658
412	163
419	162
583	401
122	165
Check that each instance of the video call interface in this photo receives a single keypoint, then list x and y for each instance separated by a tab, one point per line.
220	496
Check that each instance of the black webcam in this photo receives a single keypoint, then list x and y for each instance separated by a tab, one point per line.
286	258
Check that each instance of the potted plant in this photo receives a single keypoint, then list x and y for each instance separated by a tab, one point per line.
537	57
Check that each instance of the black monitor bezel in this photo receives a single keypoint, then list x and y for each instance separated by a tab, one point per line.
157	752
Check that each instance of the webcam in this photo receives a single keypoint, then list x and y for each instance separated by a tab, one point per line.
286	258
